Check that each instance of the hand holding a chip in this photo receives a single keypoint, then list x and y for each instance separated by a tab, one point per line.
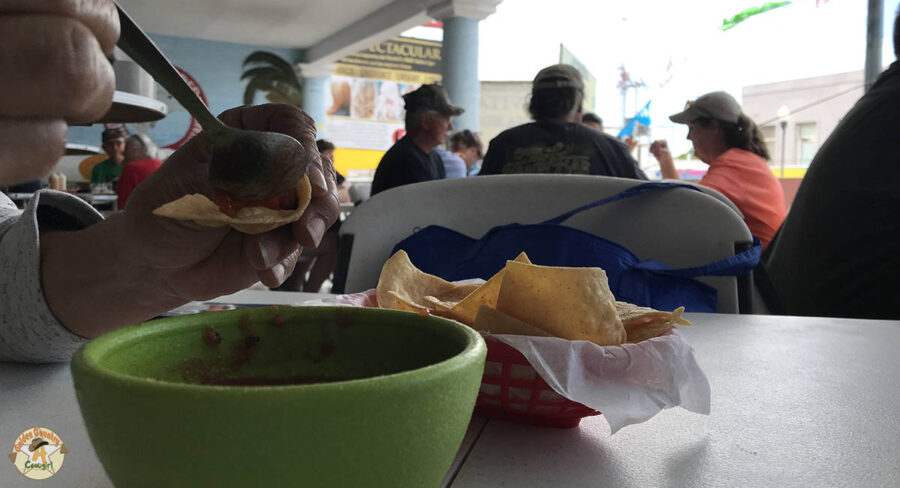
158	263
206	259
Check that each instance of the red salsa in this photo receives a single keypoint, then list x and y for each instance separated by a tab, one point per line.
231	207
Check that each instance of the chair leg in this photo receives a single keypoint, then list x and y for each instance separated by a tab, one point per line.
345	246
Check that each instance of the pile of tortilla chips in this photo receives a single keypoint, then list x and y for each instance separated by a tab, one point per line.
250	220
526	299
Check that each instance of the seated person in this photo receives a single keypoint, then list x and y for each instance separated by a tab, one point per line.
732	145
467	145
836	253
411	159
557	141
108	171
140	162
454	166
592	120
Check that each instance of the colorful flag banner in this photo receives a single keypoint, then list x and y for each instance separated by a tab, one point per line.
750	12
642	117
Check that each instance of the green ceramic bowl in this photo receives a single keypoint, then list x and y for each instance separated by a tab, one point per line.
373	398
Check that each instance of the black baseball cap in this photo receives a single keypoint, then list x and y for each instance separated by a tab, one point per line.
431	97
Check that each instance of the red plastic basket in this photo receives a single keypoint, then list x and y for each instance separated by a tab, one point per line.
512	390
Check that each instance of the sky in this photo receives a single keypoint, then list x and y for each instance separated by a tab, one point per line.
796	41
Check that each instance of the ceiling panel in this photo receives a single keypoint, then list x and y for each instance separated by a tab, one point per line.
277	23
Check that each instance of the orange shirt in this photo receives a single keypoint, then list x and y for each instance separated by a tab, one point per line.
748	182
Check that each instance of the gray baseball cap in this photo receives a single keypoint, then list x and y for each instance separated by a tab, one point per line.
717	105
431	97
558	76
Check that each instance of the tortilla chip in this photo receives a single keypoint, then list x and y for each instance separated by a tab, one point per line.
448	302
466	310
402	286
642	323
572	303
249	220
496	322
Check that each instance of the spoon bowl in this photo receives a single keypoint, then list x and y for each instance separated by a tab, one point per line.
248	165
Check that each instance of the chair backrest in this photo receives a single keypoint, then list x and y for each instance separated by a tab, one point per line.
359	192
678	227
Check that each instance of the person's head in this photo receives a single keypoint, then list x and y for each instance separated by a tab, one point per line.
326	149
428	112
592	120
468	146
556	94
114	143
139	146
716	123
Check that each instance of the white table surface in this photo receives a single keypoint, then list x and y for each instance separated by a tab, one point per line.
796	402
802	402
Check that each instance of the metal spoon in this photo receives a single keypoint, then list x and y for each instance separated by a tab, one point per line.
246	165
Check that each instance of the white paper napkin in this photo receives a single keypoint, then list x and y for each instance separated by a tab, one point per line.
628	384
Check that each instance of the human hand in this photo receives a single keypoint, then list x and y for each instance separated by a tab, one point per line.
660	150
194	262
631	142
54	62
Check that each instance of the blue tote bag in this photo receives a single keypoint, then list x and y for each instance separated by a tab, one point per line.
454	256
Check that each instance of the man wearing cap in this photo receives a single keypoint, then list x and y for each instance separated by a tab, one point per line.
733	147
412	159
114	146
557	141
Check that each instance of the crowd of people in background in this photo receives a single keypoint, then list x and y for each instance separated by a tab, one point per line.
835	254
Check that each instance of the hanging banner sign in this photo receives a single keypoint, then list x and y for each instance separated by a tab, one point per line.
367	88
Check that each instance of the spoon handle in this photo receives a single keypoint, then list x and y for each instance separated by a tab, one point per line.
144	52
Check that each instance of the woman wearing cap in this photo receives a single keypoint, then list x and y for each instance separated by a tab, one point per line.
732	145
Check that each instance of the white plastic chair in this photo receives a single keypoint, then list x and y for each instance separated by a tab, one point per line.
678	227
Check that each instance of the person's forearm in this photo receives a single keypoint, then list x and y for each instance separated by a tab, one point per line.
667	167
92	286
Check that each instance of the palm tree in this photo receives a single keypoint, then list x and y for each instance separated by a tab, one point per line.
270	73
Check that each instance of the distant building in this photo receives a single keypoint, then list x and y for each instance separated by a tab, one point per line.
504	104
816	106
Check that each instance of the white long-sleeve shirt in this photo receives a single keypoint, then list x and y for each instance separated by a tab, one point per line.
29	332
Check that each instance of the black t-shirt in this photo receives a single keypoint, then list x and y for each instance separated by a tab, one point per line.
406	163
838	251
555	147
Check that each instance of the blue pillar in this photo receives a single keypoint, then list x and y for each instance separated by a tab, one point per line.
315	94
460	69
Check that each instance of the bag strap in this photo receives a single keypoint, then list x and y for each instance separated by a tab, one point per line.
630	192
739	264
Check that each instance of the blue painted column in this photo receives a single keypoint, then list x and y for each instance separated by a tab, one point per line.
315	94
459	71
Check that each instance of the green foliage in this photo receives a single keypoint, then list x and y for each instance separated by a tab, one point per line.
688	155
269	73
